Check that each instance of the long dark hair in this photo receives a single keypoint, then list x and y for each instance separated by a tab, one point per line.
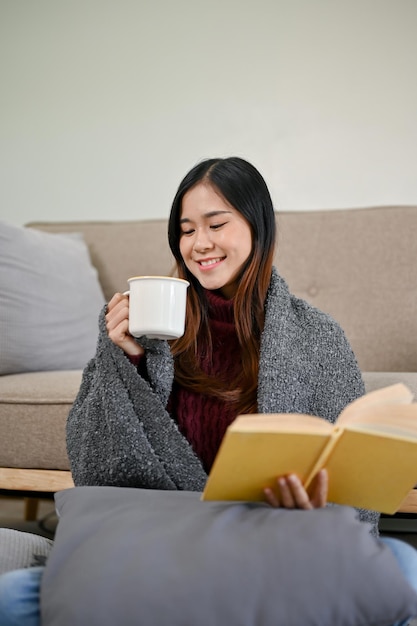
243	187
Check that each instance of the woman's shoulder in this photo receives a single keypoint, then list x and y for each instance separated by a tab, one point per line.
296	310
307	314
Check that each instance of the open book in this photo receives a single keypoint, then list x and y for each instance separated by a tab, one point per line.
370	452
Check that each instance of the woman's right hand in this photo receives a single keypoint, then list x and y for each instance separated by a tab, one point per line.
292	495
117	324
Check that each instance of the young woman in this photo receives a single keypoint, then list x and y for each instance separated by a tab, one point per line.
152	414
249	346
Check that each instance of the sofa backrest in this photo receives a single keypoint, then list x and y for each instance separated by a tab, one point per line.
120	250
359	265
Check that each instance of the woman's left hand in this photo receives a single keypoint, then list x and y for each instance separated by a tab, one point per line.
290	493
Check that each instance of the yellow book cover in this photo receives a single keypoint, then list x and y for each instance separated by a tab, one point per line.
370	452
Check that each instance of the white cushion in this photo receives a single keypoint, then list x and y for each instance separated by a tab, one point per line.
50	299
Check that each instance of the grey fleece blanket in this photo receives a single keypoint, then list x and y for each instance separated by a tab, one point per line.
119	432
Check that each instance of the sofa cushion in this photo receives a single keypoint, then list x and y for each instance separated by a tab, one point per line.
50	299
34	407
133	556
33	411
377	380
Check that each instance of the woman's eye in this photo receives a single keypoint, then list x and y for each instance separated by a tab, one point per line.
216	226
187	232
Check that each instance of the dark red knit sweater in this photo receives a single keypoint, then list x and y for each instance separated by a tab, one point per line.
203	419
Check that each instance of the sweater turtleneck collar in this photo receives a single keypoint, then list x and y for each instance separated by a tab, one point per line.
220	308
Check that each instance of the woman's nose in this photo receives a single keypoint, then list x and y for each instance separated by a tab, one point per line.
202	241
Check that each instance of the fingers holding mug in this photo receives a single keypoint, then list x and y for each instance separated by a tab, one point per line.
117	324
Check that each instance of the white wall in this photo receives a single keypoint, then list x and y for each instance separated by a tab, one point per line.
106	104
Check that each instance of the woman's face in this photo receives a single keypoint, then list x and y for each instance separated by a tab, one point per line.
216	240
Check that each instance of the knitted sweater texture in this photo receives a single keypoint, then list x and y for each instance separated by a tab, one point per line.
120	433
201	418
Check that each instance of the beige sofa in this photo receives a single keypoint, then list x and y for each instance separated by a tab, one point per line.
357	264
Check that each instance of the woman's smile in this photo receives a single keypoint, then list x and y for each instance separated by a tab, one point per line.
209	264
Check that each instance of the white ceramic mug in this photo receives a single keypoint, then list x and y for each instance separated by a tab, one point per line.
157	306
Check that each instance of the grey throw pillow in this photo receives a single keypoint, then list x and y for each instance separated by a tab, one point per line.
50	299
133	556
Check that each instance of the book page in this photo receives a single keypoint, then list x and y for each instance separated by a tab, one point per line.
389	418
384	430
371	471
392	395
